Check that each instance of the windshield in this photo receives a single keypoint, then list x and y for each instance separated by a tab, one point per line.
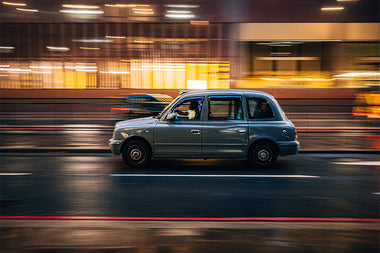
166	109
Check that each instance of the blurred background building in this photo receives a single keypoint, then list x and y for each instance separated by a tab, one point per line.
103	44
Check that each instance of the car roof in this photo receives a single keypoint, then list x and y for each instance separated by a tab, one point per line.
230	92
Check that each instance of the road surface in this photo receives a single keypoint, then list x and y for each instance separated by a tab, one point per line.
93	202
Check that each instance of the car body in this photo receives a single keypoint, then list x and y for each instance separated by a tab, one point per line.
225	124
141	105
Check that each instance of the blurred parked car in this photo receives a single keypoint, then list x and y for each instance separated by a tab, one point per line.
141	105
367	104
209	124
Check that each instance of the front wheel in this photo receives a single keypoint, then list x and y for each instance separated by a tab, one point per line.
136	153
263	154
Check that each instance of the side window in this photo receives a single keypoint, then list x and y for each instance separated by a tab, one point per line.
188	109
259	109
225	108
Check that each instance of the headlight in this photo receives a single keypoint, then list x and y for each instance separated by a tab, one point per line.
114	132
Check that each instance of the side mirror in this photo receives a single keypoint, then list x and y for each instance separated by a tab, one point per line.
171	116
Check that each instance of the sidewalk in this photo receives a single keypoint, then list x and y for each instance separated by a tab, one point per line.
186	237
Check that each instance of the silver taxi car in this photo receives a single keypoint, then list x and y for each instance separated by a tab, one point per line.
209	124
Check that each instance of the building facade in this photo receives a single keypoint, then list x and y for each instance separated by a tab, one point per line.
193	45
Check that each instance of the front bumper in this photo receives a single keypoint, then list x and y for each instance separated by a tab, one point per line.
288	147
115	146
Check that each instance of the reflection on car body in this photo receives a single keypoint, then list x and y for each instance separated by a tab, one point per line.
142	105
209	124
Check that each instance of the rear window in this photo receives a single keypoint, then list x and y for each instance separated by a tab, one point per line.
259	109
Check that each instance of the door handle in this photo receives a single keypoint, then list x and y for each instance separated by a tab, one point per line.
242	131
194	131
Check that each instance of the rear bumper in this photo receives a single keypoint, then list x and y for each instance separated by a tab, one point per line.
288	147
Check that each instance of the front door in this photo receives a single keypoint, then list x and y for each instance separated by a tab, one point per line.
180	137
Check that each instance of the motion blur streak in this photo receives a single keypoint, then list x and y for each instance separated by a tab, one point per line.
281	219
188	175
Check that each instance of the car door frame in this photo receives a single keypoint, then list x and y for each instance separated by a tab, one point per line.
179	139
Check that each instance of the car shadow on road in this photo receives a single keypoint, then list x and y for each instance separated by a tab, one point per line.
228	166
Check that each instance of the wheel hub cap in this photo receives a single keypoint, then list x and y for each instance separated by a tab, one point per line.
136	154
263	155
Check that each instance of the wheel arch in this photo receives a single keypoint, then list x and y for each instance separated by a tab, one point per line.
134	138
254	143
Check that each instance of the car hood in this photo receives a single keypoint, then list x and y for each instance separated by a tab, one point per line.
135	122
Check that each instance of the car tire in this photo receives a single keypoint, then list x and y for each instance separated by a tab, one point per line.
263	154
136	154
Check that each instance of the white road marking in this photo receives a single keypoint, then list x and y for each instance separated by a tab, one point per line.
368	163
191	175
15	174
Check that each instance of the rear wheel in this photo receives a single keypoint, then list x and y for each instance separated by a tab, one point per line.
136	153
263	154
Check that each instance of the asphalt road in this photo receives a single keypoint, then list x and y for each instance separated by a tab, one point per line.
297	206
101	185
62	191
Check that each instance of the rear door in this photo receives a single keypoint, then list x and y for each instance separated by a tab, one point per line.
225	130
